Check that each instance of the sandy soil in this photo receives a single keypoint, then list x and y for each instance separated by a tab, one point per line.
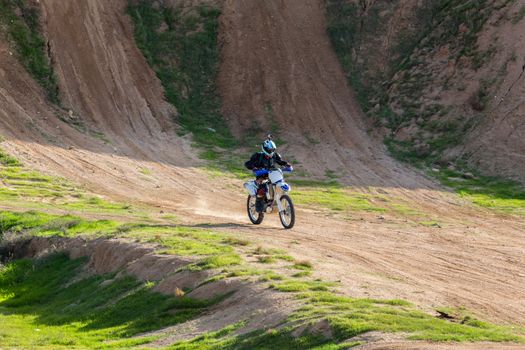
274	53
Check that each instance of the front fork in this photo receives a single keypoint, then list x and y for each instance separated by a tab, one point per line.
273	193
279	205
276	197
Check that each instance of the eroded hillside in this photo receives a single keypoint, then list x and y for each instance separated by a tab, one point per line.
443	79
112	129
275	77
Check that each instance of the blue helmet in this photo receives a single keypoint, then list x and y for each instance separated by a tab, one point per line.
269	147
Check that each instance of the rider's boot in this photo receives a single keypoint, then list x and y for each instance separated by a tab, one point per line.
261	198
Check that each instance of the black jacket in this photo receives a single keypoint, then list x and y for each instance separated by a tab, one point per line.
262	161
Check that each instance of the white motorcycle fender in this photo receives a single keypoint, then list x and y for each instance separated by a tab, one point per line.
285	187
276	177
251	187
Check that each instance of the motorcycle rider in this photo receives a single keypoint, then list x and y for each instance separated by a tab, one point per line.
264	160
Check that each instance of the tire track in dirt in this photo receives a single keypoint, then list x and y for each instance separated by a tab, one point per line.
431	267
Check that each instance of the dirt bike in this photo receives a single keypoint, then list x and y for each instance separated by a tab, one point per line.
276	195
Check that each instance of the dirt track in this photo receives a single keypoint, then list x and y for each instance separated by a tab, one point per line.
281	48
475	260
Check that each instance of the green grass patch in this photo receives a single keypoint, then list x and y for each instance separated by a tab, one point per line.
302	286
95	204
331	195
260	250
350	317
181	47
270	276
216	247
237	241
402	209
304	273
181	240
519	15
284	257
505	196
24	30
213	249
430	223
302	265
43	304
24	188
271	255
41	224
317	183
227	163
244	271
217	261
341	199
145	171
490	192
8	161
282	339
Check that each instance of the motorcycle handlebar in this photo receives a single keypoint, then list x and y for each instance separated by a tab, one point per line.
262	172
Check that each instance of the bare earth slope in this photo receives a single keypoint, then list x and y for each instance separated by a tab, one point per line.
103	76
279	69
116	123
459	85
497	144
275	53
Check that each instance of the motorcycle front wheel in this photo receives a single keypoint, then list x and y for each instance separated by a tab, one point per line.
287	215
255	217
